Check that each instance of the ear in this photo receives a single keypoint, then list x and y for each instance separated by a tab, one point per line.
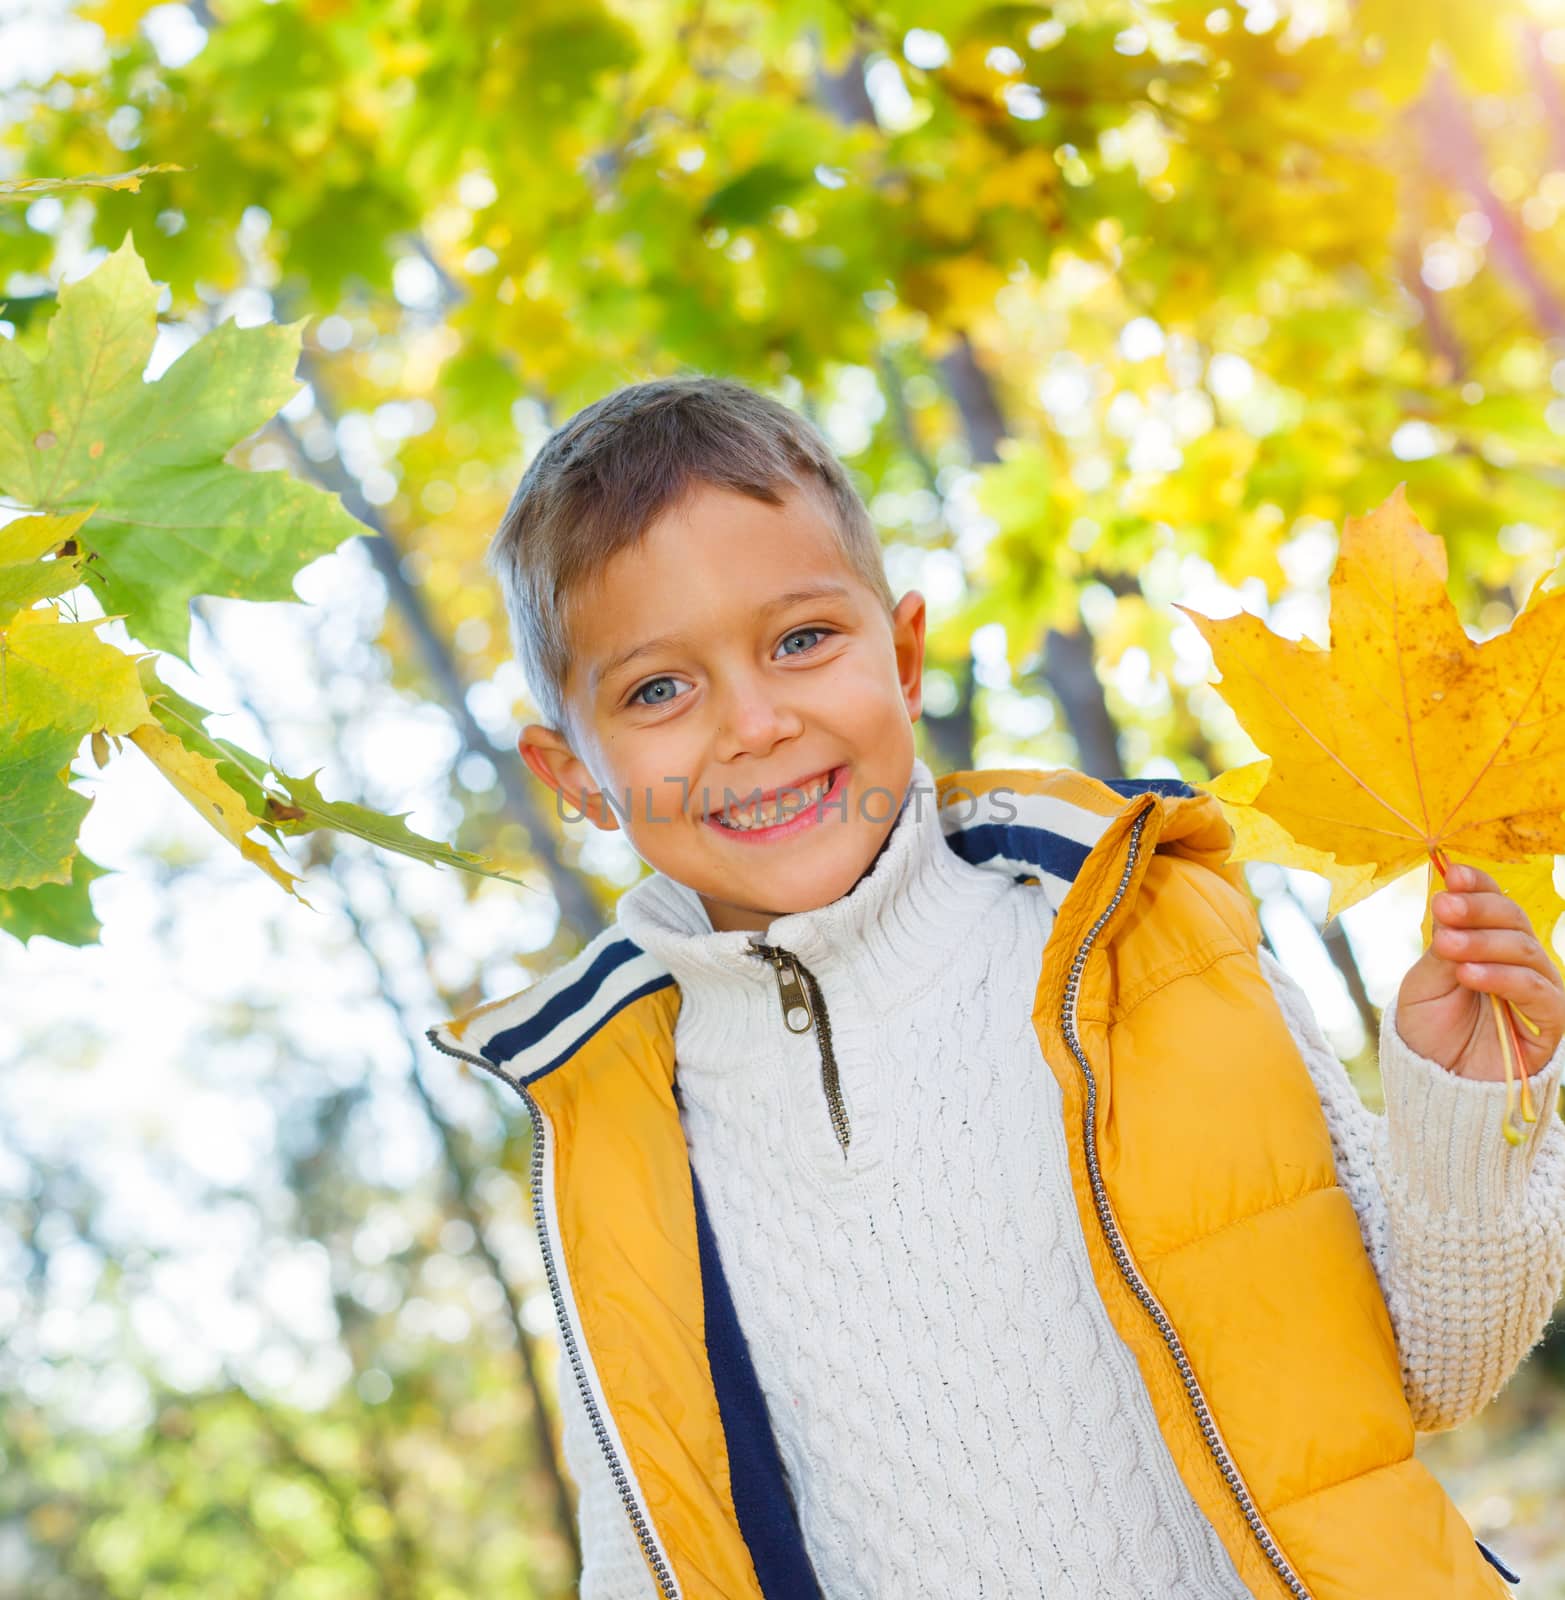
552	761
907	633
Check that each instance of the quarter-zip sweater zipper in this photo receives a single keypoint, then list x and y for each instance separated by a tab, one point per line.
803	1010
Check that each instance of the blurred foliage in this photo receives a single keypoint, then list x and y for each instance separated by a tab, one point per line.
376	1443
1103	304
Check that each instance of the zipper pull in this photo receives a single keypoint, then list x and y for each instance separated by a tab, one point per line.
798	1014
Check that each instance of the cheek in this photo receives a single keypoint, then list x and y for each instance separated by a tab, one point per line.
861	674
868	692
654	788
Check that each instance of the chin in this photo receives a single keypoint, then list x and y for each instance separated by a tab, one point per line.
833	886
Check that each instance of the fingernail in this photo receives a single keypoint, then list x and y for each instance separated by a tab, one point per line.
1455	905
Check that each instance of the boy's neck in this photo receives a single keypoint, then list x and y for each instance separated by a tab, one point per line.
880	850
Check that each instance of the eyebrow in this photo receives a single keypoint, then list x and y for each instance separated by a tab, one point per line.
669	641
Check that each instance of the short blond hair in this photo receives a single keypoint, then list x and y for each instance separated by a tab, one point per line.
604	477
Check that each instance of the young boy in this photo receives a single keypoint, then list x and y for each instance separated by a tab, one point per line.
940	1187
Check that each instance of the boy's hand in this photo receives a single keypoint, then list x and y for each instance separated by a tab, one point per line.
1483	944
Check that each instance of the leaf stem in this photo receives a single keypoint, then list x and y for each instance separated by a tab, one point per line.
1513	1134
1510	1040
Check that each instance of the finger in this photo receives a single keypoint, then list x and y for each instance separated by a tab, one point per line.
1464	875
1510	946
1480	909
1530	990
1542	1000
1517	986
1508	978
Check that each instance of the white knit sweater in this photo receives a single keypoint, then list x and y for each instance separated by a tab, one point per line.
954	1410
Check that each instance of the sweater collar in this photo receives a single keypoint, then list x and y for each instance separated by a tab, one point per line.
887	936
1041	825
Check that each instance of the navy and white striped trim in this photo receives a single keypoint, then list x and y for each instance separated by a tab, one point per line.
530	1033
1035	835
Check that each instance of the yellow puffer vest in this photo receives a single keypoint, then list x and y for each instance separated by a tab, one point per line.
1229	1259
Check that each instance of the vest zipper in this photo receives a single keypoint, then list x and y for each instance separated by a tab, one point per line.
803	1009
1127	1267
627	1491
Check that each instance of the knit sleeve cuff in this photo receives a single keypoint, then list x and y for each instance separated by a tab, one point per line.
1444	1132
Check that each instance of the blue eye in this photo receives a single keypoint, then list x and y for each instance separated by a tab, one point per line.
824	632
636	693
635	699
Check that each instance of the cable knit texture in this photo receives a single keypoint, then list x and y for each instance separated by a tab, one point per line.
954	1410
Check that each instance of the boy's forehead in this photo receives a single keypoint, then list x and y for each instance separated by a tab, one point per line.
732	542
717	565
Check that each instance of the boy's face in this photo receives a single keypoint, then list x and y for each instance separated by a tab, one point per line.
748	691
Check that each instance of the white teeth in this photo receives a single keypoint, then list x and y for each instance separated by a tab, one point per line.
768	816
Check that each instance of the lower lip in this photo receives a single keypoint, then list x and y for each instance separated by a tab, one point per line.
806	817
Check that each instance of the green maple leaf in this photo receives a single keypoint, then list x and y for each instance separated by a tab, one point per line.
39	813
60	911
305	809
80	428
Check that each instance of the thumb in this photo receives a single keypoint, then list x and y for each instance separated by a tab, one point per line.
1431	977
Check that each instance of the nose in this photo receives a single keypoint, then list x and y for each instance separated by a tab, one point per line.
752	716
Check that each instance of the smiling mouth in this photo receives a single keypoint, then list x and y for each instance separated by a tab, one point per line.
770	810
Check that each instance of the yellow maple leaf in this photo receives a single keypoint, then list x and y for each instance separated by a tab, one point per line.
31	538
1406	742
61	674
1260	837
1405	736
